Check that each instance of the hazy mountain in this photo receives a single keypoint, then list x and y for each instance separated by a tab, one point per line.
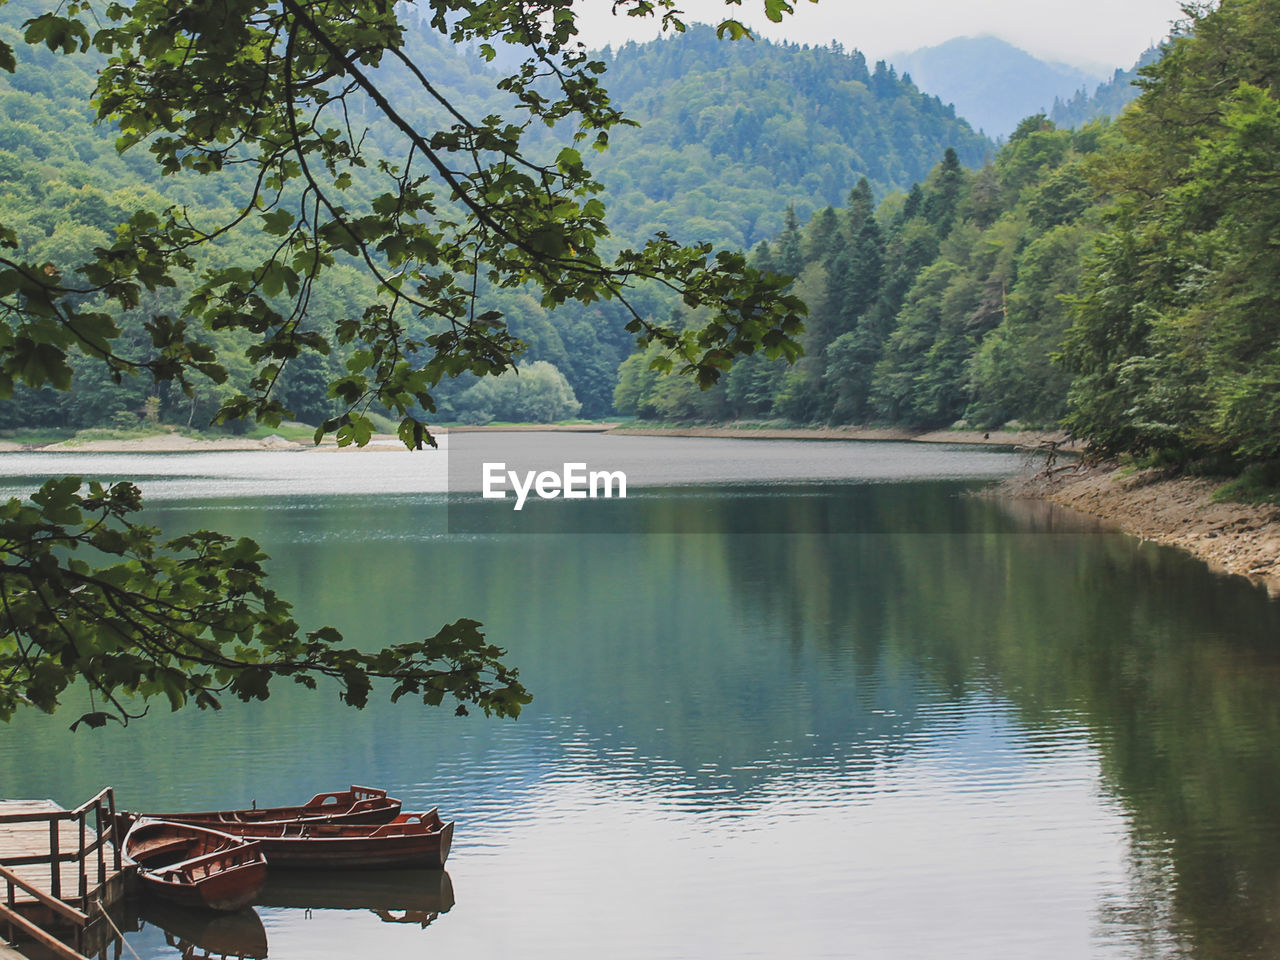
992	83
1107	100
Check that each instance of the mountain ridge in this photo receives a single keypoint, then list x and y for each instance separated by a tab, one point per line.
992	83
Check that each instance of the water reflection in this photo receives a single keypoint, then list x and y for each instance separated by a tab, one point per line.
415	898
970	733
197	934
393	896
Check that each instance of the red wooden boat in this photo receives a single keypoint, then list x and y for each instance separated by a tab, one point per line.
195	866
357	805
410	840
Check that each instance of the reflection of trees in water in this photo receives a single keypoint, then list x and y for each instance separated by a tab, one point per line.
722	669
683	657
1173	670
1145	918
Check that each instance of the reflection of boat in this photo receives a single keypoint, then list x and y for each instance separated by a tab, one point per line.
195	866
392	891
198	933
410	840
393	896
357	805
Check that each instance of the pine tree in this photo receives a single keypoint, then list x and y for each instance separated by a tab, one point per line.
861	206
823	237
789	255
915	201
943	197
762	257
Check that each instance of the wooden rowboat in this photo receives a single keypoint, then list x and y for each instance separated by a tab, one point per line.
419	840
194	866
357	805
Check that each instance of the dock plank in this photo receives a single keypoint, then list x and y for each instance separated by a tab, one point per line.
32	840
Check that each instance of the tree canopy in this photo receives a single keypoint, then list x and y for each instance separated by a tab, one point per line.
1120	280
272	99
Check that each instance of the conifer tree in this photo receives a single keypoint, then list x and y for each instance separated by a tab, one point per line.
789	255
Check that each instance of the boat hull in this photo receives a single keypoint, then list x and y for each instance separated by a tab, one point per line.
194	866
425	851
229	890
412	840
369	805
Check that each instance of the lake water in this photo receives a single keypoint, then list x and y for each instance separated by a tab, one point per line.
965	728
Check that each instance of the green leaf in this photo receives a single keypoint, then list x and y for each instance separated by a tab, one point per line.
95	720
776	9
734	29
277	222
569	160
57	33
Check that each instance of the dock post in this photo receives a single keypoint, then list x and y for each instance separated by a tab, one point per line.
55	861
115	837
84	872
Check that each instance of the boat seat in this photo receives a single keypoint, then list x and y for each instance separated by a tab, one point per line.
181	845
210	855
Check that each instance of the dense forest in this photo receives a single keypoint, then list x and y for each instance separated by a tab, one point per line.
1120	279
940	305
731	135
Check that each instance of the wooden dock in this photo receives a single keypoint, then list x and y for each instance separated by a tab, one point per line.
59	871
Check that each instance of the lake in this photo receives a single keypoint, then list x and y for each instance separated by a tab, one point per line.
858	712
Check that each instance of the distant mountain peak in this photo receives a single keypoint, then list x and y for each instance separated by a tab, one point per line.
993	83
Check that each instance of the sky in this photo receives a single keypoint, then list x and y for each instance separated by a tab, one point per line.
1095	34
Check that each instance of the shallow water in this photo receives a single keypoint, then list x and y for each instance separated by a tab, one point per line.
974	729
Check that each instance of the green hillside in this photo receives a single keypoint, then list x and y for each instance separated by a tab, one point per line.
1122	279
732	134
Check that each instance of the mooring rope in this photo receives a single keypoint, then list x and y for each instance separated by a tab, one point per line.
119	934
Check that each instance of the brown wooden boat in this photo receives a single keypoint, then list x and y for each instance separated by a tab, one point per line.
357	805
194	866
410	840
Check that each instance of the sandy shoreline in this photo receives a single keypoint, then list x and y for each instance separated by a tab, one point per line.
176	443
1003	438
1231	537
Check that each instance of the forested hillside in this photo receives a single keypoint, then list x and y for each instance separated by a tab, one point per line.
1123	279
940	305
1107	100
732	134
